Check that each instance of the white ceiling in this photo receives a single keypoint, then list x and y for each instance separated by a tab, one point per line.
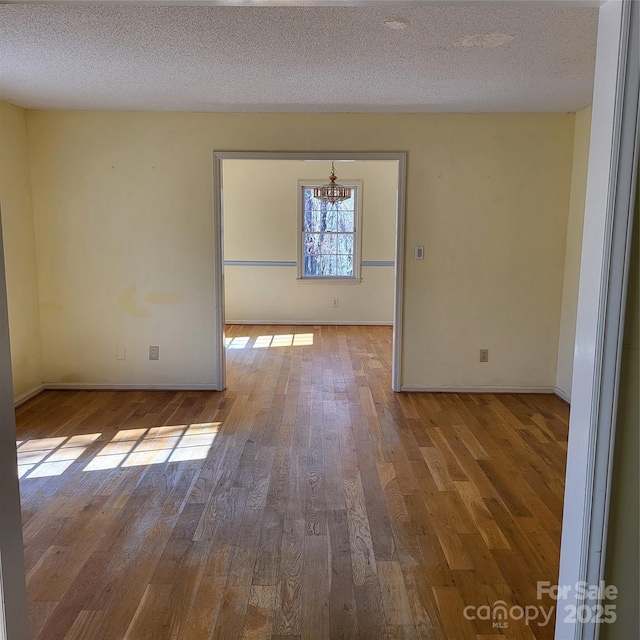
285	58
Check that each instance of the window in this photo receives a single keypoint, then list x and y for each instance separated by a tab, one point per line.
329	235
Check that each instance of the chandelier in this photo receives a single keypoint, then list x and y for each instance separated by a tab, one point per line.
332	192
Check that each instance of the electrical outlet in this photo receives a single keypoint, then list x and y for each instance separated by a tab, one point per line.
121	353
484	355
154	353
334	302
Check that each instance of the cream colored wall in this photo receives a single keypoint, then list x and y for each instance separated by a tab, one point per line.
261	224
572	252
19	250
123	210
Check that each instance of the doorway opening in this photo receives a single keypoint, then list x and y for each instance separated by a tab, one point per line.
263	196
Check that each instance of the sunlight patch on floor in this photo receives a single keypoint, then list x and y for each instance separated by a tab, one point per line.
238	343
47	457
263	342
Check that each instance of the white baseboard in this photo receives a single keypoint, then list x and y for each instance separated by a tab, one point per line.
25	397
562	394
478	389
107	386
314	323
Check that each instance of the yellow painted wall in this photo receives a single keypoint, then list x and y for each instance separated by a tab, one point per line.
573	251
19	250
261	224
123	210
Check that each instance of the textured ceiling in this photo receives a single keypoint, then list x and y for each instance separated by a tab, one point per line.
220	58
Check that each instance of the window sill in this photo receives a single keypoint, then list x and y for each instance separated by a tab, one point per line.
328	280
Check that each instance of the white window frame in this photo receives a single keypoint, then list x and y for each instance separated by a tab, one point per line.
356	185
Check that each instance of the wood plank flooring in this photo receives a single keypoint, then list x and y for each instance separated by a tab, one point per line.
306	501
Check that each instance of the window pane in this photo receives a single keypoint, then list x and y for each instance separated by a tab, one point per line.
311	243
328	265
329	243
311	210
311	254
330	219
307	221
344	265
311	265
345	244
346	221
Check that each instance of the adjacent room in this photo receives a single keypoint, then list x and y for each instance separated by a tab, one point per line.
383	453
263	243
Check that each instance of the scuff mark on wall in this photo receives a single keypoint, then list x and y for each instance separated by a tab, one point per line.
164	298
127	302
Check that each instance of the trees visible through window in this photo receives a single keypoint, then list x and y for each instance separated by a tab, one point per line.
329	237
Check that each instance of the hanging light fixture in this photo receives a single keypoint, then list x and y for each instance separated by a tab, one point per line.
332	192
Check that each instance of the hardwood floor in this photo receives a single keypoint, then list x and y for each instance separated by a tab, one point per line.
306	501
